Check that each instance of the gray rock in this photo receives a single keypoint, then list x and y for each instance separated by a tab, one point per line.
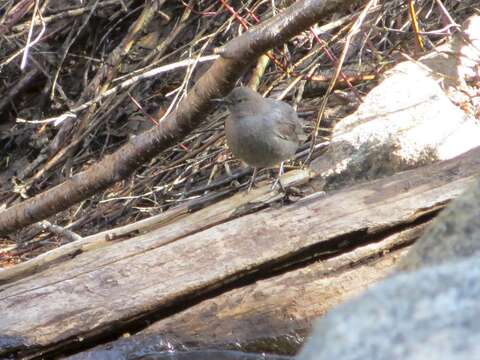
429	314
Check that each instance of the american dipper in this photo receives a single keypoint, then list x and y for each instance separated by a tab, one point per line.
260	131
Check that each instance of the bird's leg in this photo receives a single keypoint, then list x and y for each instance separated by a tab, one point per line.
280	173
252	180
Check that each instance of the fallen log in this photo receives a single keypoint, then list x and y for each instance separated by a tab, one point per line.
270	315
112	288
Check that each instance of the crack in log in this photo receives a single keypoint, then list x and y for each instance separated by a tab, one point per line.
335	247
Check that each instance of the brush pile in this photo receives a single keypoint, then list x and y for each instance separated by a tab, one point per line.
81	79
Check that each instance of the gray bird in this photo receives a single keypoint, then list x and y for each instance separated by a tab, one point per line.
262	132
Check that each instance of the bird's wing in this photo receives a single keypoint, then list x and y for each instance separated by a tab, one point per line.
288	125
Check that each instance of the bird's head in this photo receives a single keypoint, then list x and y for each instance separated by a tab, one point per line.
242	101
241	97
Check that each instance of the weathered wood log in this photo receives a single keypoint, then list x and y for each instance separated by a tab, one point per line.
273	314
269	315
272	311
98	290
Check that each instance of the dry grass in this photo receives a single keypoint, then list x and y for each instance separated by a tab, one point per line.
98	60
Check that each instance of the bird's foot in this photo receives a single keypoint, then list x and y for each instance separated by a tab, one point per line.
278	183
